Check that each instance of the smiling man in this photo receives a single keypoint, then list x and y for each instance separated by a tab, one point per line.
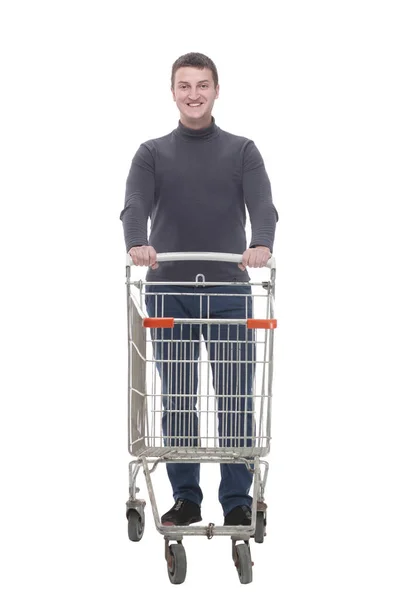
195	184
194	96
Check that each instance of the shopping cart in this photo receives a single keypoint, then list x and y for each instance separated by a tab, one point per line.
200	391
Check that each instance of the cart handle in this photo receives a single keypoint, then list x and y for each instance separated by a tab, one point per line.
206	256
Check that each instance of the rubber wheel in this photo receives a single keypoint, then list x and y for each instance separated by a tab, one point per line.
244	564
135	526
177	564
260	528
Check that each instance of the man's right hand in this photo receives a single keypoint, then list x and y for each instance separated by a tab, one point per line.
144	256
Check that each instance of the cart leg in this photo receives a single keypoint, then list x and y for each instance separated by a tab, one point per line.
135	506
261	517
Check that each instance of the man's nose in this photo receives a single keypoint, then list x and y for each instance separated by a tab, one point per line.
193	95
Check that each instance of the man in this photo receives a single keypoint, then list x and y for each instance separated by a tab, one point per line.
194	184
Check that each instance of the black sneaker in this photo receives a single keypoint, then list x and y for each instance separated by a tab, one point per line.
183	512
240	515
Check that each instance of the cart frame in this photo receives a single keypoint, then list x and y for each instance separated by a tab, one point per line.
148	448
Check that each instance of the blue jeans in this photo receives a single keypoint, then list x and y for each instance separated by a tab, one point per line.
231	353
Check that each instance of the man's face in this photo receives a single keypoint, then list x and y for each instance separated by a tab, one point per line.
194	93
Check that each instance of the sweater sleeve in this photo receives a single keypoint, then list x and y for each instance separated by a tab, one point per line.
139	197
258	198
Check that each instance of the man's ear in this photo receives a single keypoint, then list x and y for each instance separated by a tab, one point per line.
173	94
217	90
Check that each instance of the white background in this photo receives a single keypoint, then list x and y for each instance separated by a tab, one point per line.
315	85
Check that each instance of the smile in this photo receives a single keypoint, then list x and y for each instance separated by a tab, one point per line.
195	105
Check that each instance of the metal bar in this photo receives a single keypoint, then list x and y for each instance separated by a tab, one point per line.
240	532
270	366
209	350
211	321
238	389
263	483
150	490
200	283
134	468
128	313
202	256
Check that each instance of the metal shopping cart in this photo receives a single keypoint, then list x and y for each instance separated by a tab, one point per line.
200	391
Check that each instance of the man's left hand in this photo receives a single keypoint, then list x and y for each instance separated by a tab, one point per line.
255	257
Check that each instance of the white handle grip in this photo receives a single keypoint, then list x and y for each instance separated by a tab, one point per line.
207	256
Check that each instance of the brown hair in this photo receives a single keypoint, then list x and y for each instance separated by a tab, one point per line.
194	59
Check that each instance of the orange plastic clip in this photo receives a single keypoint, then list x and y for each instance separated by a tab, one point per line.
159	322
262	323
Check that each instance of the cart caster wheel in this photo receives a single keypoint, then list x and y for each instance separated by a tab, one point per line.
135	526
244	563
260	528
176	563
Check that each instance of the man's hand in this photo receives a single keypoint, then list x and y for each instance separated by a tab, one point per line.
144	256
255	257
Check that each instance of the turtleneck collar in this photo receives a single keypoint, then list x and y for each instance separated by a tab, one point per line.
206	133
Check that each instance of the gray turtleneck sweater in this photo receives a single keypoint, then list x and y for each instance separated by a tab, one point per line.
195	185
